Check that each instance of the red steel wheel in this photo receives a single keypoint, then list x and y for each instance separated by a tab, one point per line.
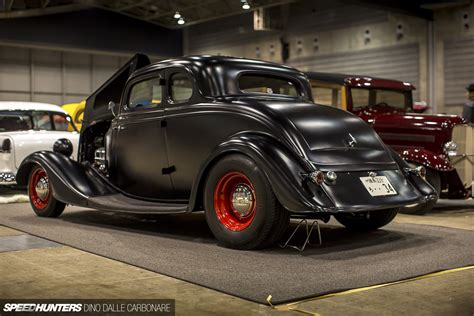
235	201
39	189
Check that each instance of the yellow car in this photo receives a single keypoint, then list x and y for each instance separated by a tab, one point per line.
76	111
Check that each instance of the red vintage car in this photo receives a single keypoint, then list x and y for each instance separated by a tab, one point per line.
442	143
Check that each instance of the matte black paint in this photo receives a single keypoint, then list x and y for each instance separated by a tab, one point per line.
162	156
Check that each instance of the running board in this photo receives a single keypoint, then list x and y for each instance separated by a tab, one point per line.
121	203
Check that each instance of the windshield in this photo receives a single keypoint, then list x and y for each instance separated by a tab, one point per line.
362	97
264	84
35	120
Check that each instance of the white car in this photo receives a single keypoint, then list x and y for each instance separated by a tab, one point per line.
26	127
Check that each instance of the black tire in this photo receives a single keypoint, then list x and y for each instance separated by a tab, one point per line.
433	178
43	205
366	221
267	221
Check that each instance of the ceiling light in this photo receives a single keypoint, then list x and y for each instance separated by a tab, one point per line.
245	6
177	15
181	21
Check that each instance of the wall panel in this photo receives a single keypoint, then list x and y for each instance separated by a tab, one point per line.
14	69
400	62
53	76
47	71
458	70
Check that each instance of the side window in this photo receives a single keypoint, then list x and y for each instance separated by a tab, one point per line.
181	87
326	96
62	123
360	97
145	94
41	121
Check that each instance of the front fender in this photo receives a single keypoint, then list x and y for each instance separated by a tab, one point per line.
427	158
71	181
282	167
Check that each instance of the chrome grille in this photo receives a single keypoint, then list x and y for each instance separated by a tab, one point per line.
463	136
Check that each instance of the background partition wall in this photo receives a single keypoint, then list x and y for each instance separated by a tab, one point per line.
53	76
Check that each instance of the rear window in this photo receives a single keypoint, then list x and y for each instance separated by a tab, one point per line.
264	84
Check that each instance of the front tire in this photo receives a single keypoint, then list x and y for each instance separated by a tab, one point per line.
240	206
41	196
366	221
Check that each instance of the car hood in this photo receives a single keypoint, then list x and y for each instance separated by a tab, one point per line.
36	135
326	134
27	142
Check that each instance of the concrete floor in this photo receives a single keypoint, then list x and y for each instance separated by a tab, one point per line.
32	267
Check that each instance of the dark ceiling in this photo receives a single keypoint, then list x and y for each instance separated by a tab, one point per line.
162	12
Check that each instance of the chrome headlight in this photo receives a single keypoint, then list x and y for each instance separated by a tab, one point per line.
450	148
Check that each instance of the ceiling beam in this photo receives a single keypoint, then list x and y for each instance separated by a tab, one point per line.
8	5
180	9
44	3
231	13
408	8
94	4
133	5
42	11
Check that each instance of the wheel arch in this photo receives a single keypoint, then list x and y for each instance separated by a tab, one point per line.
281	167
24	171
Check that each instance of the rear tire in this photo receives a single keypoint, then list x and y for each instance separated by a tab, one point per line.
366	221
434	179
240	206
41	195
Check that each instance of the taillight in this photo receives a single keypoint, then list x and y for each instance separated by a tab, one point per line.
317	177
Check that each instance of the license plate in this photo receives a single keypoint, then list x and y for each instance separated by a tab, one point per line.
378	186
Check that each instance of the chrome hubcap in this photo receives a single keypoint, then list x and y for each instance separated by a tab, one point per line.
42	188
242	200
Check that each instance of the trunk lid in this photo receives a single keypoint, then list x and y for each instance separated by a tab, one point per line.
335	139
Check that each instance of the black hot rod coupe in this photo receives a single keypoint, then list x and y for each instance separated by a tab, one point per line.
234	137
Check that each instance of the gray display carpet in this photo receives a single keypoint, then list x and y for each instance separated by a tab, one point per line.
183	247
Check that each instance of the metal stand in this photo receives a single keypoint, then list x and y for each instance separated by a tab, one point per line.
309	231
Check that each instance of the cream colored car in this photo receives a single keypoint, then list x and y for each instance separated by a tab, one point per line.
27	127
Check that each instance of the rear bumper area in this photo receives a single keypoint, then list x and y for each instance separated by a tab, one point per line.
349	194
366	208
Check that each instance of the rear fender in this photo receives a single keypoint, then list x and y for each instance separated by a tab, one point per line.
282	167
423	186
428	159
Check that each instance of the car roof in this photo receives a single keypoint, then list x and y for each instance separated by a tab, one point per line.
218	59
359	80
29	106
203	61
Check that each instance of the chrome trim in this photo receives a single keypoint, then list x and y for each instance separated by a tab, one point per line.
42	188
7	178
243	200
450	148
463	159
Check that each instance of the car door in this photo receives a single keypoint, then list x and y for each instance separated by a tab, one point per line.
139	155
195	126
